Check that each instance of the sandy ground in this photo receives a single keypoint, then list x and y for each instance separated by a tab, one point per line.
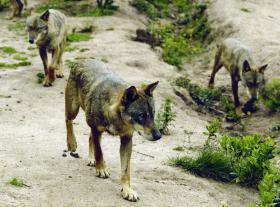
33	134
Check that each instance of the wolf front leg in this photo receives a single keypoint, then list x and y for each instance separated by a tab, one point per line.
44	57
125	155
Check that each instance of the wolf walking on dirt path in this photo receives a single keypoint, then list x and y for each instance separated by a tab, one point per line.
49	31
112	106
240	63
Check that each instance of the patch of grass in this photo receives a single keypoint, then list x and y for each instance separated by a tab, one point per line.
19	57
70	48
78	37
14	65
70	63
8	50
165	116
179	148
245	10
210	164
77	8
110	29
84	49
17	26
41	77
16	182
271	95
31	48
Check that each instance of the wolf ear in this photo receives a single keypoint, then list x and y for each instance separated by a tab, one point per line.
150	88
246	66
45	15
129	95
263	68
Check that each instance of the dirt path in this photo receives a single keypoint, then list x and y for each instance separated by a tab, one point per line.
32	134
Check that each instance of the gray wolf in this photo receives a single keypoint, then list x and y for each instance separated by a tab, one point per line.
111	105
49	31
17	7
240	63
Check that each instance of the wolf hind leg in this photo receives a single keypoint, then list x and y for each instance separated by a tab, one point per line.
91	152
100	165
217	66
72	106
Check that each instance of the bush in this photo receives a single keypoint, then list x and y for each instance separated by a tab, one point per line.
183	38
271	95
4	4
250	156
165	116
244	160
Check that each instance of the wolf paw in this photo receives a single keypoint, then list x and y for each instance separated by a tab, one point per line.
211	85
72	146
102	173
91	163
46	82
59	75
129	194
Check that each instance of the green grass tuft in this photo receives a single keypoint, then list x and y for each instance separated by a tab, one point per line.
271	95
8	50
78	37
16	182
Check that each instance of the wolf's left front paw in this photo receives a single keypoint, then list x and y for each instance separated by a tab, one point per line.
102	173
129	194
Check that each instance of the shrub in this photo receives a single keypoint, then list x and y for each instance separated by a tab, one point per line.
40	77
271	95
4	4
212	130
250	156
165	116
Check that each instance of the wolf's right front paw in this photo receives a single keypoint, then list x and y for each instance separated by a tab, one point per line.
211	85
129	194
102	173
46	82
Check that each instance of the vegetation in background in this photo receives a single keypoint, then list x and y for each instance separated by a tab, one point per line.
228	107
4	4
212	130
165	116
40	77
271	95
79	7
246	160
8	50
78	37
16	182
182	36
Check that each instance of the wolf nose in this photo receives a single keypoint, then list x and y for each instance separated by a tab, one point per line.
156	135
31	41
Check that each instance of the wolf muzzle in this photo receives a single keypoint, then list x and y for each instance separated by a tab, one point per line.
156	135
31	41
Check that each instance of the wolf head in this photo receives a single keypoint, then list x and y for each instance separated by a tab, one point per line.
253	78
139	110
37	27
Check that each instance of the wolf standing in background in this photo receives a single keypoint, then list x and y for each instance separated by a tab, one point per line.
111	106
17	7
239	62
49	32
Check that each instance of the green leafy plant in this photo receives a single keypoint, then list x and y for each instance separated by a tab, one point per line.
4	4
16	182
8	50
212	130
165	116
40	77
271	95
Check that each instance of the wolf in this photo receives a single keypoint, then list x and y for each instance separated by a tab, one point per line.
48	31
240	63
111	105
17	7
